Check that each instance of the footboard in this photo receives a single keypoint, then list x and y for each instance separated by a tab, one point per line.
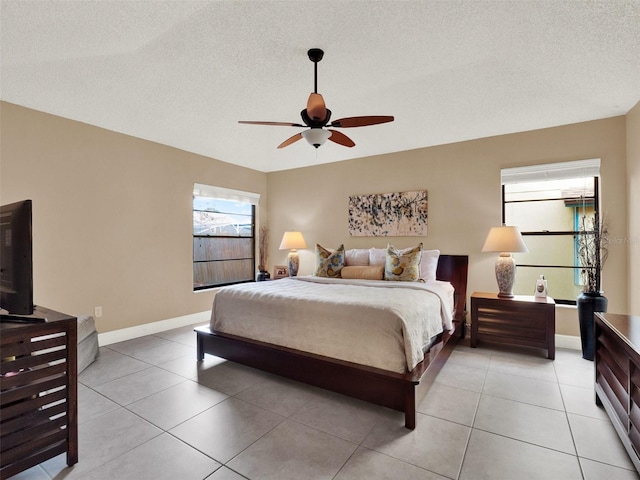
381	387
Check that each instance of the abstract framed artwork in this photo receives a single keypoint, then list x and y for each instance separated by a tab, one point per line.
401	214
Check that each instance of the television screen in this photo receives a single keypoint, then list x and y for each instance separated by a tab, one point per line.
16	263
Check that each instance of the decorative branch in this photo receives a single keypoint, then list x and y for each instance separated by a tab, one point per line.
263	249
593	240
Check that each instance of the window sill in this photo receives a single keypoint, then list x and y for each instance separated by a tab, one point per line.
569	307
206	290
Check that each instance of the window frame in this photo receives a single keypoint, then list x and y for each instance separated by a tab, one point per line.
557	171
225	194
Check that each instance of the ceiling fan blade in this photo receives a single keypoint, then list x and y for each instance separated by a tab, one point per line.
341	138
361	121
290	140
277	124
316	108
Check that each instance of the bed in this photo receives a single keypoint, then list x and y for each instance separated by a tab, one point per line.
382	385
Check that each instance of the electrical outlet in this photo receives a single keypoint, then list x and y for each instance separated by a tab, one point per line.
97	312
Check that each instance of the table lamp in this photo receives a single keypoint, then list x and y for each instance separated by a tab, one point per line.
292	241
505	240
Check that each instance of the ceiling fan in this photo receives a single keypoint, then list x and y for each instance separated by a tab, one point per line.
316	116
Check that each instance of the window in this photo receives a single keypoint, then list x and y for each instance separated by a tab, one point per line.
552	205
223	236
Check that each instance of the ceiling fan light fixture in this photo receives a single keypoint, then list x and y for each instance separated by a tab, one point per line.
316	136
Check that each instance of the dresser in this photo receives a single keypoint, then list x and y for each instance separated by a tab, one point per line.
617	378
38	391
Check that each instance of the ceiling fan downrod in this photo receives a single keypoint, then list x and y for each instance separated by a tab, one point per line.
315	55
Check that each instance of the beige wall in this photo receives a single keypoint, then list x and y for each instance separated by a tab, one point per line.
112	213
633	191
463	180
112	216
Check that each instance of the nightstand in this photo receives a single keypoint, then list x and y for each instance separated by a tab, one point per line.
522	320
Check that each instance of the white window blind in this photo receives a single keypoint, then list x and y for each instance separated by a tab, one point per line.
211	191
551	171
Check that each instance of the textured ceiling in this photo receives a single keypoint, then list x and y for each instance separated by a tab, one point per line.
182	73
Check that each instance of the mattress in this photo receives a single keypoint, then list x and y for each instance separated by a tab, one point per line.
381	324
88	349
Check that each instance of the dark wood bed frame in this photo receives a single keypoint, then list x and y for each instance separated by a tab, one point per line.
398	391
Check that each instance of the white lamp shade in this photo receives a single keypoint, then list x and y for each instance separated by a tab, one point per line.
316	136
504	239
292	240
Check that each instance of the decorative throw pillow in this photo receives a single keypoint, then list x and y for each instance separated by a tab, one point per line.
328	263
363	272
429	265
403	265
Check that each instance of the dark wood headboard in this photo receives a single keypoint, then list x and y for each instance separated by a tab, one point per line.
454	269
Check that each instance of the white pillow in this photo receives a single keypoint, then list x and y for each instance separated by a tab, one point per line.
377	256
355	257
429	264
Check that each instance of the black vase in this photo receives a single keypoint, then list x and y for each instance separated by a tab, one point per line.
588	304
262	276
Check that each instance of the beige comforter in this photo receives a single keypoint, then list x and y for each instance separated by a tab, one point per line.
382	324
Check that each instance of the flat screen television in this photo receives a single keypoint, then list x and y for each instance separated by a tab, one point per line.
16	262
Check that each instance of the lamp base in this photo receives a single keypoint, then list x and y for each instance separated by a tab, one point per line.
505	295
505	274
293	262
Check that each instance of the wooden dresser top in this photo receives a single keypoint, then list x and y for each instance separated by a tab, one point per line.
626	326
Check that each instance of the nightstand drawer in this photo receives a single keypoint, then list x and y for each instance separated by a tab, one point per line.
515	328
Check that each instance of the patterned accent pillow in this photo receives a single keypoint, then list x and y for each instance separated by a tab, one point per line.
328	263
403	265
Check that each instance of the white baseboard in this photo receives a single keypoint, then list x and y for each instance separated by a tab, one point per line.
568	341
123	334
107	338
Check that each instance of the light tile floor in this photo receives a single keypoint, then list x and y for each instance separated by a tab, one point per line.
148	410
